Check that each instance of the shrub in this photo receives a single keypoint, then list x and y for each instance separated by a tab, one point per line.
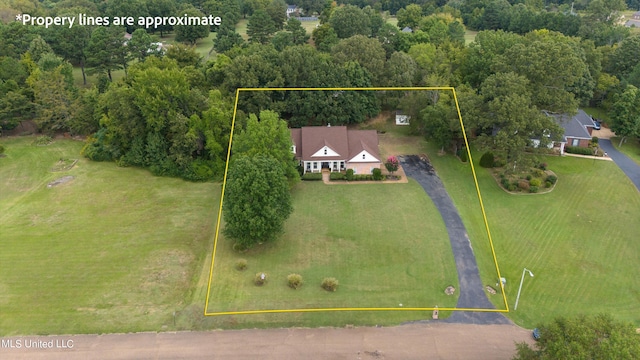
533	189
538	173
552	179
512	187
330	284
312	176
462	154
336	176
377	174
260	279
578	150
487	160
505	182
542	166
502	176
294	280
535	182
499	163
43	140
523	184
2	149
594	140
548	184
392	164
528	177
241	264
349	175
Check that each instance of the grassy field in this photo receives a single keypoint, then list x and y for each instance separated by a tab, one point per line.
630	147
114	250
579	240
385	243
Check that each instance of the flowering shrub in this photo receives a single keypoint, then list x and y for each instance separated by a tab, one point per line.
392	164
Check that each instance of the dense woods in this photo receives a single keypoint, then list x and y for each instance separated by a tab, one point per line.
170	110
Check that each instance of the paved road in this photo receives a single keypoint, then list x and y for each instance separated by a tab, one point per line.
424	341
628	166
472	293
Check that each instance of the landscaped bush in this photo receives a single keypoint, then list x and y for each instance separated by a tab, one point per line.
505	183
349	175
594	140
260	279
377	174
312	176
43	140
487	160
330	284
578	150
524	185
552	179
533	189
548	184
538	173
535	182
542	166
241	264
462	154
294	280
512	187
529	177
336	176
499	163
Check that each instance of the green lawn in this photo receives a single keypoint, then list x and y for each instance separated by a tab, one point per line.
580	240
630	147
385	243
469	36
114	250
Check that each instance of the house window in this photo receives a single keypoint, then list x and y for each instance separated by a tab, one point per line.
575	142
364	156
308	166
315	165
341	165
325	151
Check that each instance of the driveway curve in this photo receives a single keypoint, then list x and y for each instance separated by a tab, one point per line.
472	293
628	166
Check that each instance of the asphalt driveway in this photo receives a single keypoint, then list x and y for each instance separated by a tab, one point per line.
628	166
472	293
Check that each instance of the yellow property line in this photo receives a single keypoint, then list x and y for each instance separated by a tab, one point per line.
224	182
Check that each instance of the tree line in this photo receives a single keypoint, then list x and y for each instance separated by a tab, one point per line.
171	111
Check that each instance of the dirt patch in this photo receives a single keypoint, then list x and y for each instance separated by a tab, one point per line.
62	180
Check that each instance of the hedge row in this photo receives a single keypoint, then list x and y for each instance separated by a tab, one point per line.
312	176
578	150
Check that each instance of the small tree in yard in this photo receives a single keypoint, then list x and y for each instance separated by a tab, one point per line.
257	200
392	164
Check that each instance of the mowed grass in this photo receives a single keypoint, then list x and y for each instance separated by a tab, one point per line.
385	243
580	240
114	250
630	147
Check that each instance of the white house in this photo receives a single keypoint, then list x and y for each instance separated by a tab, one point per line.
336	148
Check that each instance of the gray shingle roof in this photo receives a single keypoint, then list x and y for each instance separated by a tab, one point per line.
575	126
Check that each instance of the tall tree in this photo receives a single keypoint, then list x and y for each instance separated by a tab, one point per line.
625	113
350	20
409	16
142	45
257	200
190	34
368	52
260	27
161	8
106	51
270	137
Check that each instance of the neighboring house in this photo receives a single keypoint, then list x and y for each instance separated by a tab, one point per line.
634	21
577	129
293	10
401	118
336	148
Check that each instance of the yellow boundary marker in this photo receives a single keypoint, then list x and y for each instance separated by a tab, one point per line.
224	183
